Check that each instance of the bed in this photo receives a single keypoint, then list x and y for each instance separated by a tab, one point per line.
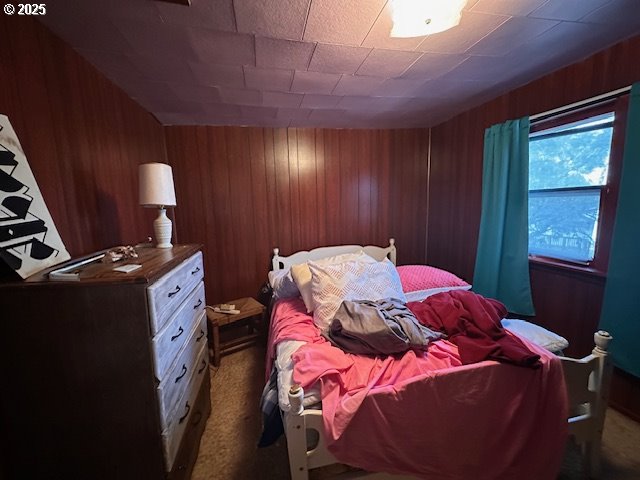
321	431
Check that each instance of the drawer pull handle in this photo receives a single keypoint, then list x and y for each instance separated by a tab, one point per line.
171	294
200	336
188	407
193	272
181	330
198	304
204	365
184	372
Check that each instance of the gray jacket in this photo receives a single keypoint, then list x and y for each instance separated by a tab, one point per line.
378	327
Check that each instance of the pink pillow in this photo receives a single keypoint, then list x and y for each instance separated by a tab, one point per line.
423	277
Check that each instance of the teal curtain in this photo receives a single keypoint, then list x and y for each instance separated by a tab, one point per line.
621	306
502	259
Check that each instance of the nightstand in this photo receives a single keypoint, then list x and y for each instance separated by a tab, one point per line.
249	309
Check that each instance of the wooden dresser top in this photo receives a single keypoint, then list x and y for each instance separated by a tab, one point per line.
155	263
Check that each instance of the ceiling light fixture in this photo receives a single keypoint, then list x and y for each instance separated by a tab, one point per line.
417	18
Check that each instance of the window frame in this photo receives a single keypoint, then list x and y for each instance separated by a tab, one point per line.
609	192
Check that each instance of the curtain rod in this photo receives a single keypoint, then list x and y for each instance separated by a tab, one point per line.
573	106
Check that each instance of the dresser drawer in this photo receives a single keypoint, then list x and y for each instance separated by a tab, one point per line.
173	386
184	411
168	293
170	340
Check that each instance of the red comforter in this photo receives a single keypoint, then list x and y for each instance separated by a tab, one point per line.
472	322
427	415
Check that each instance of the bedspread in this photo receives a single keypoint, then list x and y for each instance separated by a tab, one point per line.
425	414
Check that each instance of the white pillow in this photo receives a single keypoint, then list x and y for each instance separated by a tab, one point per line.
353	280
420	295
536	334
302	275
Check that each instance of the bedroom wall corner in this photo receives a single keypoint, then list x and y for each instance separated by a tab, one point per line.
566	302
82	135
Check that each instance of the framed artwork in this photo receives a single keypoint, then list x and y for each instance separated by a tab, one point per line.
29	240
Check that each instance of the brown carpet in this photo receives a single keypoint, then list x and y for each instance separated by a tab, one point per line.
228	449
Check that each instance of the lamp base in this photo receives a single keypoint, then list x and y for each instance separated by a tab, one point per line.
162	229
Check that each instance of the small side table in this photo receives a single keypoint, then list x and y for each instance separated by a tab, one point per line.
249	308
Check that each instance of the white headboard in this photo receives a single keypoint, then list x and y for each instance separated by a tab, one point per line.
379	253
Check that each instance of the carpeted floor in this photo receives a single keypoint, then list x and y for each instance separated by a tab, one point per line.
228	449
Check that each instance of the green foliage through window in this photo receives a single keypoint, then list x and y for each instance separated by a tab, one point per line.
568	167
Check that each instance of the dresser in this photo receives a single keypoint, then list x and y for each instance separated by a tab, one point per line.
105	377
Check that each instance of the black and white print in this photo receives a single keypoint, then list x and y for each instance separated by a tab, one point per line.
29	240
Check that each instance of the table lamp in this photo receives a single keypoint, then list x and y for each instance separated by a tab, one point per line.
156	190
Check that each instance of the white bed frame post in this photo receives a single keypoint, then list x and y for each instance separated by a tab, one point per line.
600	382
296	435
588	382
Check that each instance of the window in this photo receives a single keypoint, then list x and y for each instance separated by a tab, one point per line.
574	166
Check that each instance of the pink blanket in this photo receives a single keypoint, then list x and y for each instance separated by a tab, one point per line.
429	416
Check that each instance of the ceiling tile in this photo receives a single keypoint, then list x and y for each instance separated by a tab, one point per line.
222	47
449	89
102	11
509	35
567	10
337	58
314	82
380	34
327	114
369	105
578	40
272	18
240	96
213	14
218	120
432	65
153	39
268	79
163	68
337	21
398	87
281	100
294	113
387	63
615	12
520	8
357	85
109	62
215	74
483	68
221	109
156	96
355	102
258	112
81	30
320	101
274	53
472	28
196	93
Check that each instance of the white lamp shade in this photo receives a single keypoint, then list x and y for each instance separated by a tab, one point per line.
156	185
416	18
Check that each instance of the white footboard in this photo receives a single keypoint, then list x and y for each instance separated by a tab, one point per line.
302	456
587	381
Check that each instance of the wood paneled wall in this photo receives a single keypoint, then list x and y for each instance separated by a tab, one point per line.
83	137
243	191
568	303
